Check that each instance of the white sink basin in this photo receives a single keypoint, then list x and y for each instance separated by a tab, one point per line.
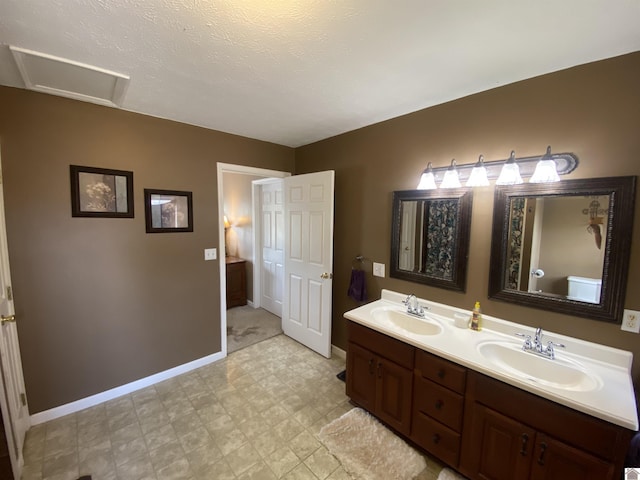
409	323
559	373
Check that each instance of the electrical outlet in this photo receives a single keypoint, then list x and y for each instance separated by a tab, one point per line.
210	254
631	321
378	269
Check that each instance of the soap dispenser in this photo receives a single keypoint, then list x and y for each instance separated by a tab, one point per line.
476	318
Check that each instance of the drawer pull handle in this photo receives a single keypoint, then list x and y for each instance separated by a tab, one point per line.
439	404
371	367
436	438
525	440
543	449
379	370
441	373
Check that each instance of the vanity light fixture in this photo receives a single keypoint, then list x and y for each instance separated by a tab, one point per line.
451	179
427	180
510	171
545	170
510	174
478	176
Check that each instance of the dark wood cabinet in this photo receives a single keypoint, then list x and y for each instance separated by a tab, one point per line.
482	427
236	281
510	433
379	376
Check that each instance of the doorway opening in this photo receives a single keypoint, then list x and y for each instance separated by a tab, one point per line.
243	319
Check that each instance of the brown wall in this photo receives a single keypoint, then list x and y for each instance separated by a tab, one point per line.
100	302
591	110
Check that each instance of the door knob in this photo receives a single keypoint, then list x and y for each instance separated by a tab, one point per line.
7	318
326	275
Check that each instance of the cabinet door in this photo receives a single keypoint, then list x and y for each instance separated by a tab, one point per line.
393	395
361	380
499	448
554	460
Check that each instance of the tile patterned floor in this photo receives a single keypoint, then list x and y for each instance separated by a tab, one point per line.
254	415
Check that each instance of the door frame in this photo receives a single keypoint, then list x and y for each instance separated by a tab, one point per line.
223	168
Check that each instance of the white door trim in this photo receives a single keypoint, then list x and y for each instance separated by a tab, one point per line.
242	169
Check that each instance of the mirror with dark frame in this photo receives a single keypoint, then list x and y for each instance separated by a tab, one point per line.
564	246
430	237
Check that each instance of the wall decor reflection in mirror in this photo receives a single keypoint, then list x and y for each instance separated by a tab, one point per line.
564	247
430	237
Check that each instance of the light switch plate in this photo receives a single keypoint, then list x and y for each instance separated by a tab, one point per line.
210	254
378	269
630	321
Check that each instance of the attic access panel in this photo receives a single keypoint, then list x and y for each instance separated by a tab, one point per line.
59	76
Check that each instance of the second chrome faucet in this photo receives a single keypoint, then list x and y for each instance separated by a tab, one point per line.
536	345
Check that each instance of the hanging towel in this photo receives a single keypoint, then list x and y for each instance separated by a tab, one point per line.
357	286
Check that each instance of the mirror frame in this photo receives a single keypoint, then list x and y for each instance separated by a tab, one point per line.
463	234
617	246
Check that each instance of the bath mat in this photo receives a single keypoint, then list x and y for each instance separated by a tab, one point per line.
368	450
447	474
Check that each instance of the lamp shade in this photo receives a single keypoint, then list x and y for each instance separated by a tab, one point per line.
545	171
451	178
510	174
478	175
427	180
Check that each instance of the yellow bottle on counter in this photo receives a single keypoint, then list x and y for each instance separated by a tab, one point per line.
476	318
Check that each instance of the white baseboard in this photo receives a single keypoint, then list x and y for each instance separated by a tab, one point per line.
98	398
338	352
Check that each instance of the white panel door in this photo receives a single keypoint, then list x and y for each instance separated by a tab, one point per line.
13	401
308	265
407	257
272	240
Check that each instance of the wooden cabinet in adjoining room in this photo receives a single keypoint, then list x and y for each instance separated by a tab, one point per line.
236	281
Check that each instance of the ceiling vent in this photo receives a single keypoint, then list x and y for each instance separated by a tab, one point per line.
66	78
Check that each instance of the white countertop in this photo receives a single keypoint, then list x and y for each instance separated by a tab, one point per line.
611	398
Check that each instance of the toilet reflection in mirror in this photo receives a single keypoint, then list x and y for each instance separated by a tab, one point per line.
591	240
555	246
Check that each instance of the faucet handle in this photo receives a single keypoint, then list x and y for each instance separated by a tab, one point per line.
550	351
527	341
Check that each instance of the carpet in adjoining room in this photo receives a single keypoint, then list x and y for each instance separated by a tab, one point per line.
247	325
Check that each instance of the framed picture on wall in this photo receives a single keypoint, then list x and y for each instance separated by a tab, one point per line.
168	211
101	192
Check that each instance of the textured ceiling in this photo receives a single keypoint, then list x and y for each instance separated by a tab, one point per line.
296	71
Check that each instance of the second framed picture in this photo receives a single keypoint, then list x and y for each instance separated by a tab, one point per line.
168	211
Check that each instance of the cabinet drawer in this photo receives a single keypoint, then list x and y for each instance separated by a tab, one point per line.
441	371
435	438
387	347
438	402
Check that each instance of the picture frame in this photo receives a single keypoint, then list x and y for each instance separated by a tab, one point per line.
101	192
168	211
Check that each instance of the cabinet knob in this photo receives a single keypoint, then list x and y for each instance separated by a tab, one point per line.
436	438
439	404
441	373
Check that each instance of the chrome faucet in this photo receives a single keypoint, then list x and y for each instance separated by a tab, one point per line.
414	307
536	345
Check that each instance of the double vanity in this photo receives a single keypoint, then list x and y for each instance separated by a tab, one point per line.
483	404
